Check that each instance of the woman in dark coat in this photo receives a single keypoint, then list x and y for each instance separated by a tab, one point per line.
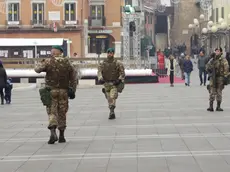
3	81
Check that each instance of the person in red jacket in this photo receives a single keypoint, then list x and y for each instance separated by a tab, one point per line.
161	60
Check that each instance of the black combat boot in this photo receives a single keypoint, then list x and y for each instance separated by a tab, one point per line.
103	91
218	108
112	113
53	136
61	136
210	107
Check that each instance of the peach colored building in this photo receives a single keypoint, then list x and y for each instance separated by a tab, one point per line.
60	19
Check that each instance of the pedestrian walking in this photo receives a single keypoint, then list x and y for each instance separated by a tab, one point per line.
202	61
181	64
3	81
60	84
171	69
188	68
8	90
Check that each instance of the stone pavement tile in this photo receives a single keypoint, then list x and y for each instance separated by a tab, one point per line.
10	166
27	148
182	164
47	149
187	130
125	146
173	144
123	165
220	143
106	132
152	164
166	130
145	122
35	166
208	129
25	134
121	121
100	146
198	144
226	157
149	145
87	131
93	165
212	163
7	148
64	165
126	131
75	147
223	128
146	131
144	115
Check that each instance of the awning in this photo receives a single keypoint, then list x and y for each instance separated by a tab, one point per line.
13	42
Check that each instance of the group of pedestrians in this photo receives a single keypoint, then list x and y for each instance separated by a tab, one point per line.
6	86
186	67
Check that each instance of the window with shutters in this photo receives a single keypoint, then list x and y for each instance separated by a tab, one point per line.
222	12
38	13
70	11
13	12
97	11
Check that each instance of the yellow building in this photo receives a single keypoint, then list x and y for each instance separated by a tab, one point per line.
221	9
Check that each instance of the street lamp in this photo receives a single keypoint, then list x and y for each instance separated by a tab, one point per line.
204	30
202	16
220	20
223	25
214	29
196	22
190	26
210	24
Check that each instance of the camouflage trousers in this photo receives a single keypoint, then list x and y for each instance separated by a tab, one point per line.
58	109
215	92
111	94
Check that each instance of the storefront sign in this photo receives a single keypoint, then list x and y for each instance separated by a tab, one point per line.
101	36
100	31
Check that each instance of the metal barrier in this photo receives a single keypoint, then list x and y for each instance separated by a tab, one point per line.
160	72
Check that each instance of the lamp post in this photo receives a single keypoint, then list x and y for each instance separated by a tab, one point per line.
198	35
35	49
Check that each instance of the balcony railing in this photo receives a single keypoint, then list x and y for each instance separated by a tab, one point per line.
97	21
38	23
73	23
13	24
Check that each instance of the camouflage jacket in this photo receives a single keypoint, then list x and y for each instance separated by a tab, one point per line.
220	65
110	70
60	73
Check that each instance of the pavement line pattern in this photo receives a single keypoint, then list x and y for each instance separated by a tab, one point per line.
158	128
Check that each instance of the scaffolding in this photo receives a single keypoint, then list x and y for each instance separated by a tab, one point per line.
136	40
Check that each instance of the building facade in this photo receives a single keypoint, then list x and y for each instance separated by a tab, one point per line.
104	26
184	13
221	10
63	19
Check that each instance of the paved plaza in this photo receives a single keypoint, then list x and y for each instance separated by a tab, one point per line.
158	129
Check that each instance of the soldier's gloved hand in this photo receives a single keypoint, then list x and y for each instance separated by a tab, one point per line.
117	82
225	81
101	81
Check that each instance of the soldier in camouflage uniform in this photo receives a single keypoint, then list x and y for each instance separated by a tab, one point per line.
60	76
111	73
217	66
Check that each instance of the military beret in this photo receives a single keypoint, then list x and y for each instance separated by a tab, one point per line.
58	47
110	50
